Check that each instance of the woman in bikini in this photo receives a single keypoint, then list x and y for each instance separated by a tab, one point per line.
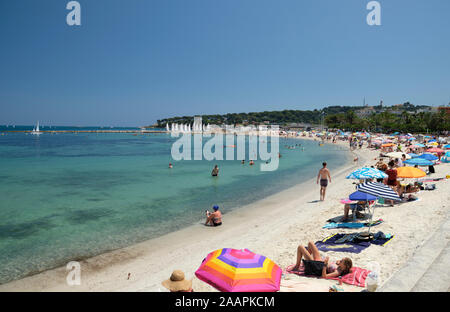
330	269
215	218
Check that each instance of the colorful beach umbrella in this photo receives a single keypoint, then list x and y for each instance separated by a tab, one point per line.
428	156
388	145
410	172
435	150
379	190
361	196
367	173
239	270
413	155
418	161
447	146
418	145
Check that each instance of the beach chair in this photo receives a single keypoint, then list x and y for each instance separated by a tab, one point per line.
363	208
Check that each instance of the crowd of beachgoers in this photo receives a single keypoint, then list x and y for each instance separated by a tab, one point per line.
403	167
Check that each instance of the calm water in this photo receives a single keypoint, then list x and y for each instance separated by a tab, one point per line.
71	196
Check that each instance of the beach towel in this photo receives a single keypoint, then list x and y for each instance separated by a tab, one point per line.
341	243
357	276
351	225
382	239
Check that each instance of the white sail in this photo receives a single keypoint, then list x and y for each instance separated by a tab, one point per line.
167	127
36	129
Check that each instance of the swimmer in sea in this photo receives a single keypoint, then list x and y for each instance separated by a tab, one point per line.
170	166
251	163
215	171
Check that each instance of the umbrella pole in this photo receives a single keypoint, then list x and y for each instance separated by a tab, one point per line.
371	218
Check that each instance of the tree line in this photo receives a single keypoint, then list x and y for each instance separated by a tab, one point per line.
404	118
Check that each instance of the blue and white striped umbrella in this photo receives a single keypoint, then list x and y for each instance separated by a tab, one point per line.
379	190
367	173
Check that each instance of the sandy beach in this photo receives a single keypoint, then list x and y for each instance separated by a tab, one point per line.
274	227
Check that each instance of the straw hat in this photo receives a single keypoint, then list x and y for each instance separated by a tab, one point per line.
177	282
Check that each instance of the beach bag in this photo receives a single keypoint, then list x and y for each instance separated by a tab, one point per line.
313	267
363	237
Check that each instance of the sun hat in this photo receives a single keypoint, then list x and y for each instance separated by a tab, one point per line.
216	207
176	282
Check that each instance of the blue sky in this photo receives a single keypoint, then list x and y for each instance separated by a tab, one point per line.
133	62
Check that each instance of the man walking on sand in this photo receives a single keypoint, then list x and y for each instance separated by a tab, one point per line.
324	175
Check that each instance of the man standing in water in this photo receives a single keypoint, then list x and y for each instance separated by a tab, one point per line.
324	175
215	171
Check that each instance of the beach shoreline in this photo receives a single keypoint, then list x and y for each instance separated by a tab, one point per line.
273	226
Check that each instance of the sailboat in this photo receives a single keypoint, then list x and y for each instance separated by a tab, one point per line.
36	130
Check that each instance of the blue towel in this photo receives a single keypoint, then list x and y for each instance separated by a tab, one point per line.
351	225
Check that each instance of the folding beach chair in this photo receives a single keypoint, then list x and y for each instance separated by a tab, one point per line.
364	208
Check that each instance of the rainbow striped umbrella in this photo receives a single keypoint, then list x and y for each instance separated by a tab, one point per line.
239	270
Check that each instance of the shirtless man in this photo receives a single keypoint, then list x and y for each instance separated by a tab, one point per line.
324	175
215	171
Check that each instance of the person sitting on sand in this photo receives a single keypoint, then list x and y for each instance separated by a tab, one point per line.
177	282
330	269
410	188
358	206
215	171
214	218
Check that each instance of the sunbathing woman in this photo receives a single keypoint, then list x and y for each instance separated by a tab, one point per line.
214	218
333	269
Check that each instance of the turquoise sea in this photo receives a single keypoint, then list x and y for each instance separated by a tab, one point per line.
69	196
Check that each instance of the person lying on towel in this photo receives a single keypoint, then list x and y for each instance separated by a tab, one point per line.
317	265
